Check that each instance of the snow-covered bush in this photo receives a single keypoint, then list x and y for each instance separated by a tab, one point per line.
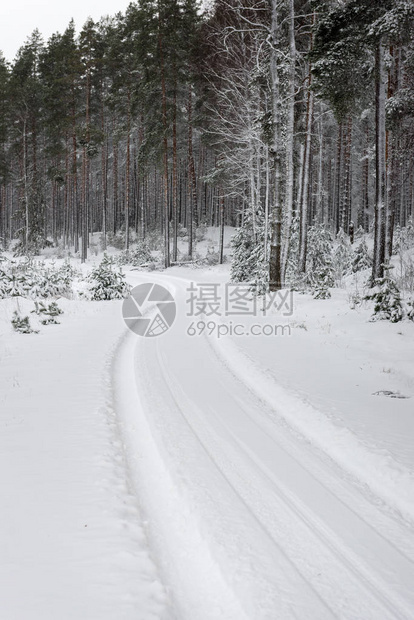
108	281
410	309
137	256
47	313
320	289
201	232
405	279
320	271
403	238
212	256
387	298
34	279
248	263
21	324
361	258
154	240
116	240
342	257
182	231
33	248
319	264
359	234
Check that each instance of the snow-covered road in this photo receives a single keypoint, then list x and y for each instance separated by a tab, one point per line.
248	518
188	477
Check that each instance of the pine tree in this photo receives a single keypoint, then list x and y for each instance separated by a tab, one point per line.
108	281
4	133
248	261
26	95
410	309
348	39
21	324
387	298
342	256
319	267
361	258
60	70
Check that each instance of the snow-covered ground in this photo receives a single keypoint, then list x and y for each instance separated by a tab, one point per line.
72	543
207	477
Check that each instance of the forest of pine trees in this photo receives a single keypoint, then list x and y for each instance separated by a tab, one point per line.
276	116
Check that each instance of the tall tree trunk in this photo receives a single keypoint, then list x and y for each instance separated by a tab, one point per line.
290	139
104	172
221	243
26	187
85	172
267	203
275	267
304	203
391	158
338	176
191	177
380	172
128	172
320	203
74	183
174	179
165	155
346	196
364	204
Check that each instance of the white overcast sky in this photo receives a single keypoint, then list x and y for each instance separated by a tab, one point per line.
18	18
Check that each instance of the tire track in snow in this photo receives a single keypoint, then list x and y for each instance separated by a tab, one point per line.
350	587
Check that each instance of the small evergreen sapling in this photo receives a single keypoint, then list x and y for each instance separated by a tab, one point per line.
248	263
108	281
410	309
48	312
387	298
21	324
319	267
361	259
403	238
138	256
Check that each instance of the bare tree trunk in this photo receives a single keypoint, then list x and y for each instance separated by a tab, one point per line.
338	177
380	176
391	158
364	205
346	197
221	245
85	172
25	186
290	139
165	148
104	172
275	267
191	178
74	184
320	203
128	173
267	200
174	180
305	186
115	197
